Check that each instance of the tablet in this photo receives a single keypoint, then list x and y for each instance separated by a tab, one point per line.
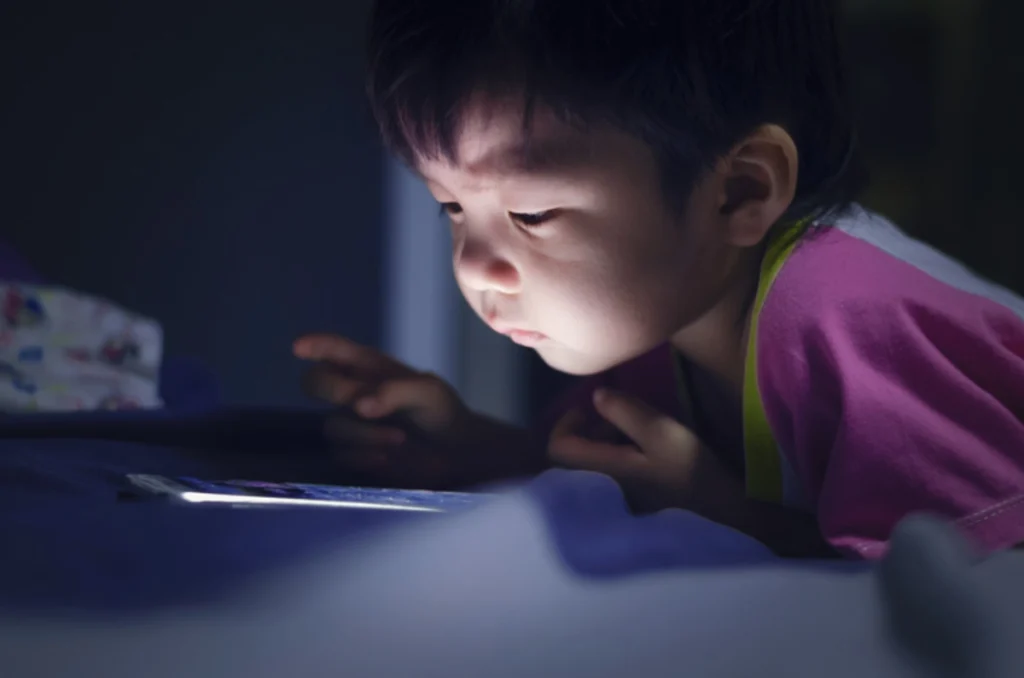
258	493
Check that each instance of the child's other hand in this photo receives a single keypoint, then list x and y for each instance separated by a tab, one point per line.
376	388
664	466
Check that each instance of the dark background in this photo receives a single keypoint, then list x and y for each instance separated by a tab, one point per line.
216	167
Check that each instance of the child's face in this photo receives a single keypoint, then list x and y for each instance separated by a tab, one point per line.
602	270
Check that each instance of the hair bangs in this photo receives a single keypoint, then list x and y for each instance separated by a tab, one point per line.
426	73
690	78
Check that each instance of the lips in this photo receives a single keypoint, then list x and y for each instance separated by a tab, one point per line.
518	335
521	336
525	337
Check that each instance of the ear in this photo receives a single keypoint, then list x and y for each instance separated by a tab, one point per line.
758	184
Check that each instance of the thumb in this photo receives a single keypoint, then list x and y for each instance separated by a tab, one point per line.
568	448
652	431
569	424
618	461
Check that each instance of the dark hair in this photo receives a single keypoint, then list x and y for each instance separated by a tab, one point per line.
691	78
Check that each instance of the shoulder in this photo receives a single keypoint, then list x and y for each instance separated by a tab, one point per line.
892	374
859	286
860	300
862	265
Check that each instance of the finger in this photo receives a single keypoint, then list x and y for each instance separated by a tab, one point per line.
342	430
619	461
651	430
343	351
575	422
569	424
326	382
413	395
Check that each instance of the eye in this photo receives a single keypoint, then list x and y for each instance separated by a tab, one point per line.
451	209
533	219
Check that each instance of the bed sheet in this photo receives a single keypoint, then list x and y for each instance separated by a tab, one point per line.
554	578
69	540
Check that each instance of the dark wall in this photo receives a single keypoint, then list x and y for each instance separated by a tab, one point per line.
993	168
938	89
215	168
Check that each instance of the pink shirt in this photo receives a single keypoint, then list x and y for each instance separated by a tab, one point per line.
883	379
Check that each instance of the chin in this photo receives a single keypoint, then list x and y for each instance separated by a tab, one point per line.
575	364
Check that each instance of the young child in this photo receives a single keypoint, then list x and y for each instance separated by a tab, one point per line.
660	194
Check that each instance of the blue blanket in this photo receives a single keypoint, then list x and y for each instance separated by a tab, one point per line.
69	541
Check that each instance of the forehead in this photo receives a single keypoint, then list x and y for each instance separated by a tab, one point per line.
492	141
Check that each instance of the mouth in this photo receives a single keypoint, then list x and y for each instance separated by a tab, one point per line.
525	337
519	336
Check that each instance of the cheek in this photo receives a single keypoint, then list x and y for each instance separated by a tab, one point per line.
611	305
597	322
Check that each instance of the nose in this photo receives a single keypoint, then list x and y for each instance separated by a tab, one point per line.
480	268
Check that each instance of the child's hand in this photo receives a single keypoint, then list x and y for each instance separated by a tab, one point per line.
391	400
666	465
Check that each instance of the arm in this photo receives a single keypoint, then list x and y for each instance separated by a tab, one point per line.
887	411
492	450
513	452
720	496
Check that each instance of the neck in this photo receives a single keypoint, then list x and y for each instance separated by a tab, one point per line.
717	341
